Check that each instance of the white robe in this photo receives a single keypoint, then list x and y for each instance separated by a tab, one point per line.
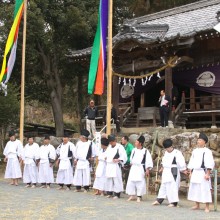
169	186
65	171
113	170
136	184
82	175
45	174
200	189
100	178
12	151
31	154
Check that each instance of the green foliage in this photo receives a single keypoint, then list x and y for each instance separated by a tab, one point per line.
9	107
59	25
143	7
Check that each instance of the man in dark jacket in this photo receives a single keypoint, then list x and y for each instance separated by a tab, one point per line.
164	102
91	112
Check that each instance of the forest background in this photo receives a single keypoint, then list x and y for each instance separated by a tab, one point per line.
56	88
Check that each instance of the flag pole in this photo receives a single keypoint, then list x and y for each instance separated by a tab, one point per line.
109	68
23	74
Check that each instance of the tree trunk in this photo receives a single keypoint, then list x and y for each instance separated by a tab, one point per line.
51	74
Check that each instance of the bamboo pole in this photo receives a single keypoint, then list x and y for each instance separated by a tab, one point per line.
23	73
215	189
109	67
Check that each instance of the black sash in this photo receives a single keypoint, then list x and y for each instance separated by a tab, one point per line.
203	162
143	160
89	154
50	160
70	156
116	155
174	170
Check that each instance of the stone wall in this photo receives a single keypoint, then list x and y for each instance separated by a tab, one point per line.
184	140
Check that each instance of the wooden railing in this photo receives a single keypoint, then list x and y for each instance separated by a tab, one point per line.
198	106
125	111
177	113
126	115
202	103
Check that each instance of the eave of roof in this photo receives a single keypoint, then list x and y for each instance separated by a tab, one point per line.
180	22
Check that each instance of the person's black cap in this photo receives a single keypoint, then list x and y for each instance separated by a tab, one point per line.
30	135
203	137
46	137
167	143
11	133
85	133
104	141
111	137
141	139
66	135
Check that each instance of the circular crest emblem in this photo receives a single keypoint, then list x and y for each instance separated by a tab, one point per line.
127	91
206	79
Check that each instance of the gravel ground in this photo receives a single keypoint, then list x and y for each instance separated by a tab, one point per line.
18	202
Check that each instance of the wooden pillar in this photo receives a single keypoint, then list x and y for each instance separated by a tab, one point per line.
213	114
183	100
168	81
169	86
132	104
192	99
142	100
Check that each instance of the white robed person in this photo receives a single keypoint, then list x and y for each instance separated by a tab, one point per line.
173	163
200	165
31	160
141	164
65	155
13	153
116	157
100	177
84	155
47	156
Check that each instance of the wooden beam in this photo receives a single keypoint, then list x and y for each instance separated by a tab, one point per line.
187	41
138	66
185	59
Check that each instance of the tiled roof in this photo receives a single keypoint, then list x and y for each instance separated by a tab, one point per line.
179	22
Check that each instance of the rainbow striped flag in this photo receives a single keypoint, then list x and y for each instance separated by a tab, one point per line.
11	44
98	58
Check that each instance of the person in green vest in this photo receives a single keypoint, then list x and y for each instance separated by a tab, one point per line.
128	148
